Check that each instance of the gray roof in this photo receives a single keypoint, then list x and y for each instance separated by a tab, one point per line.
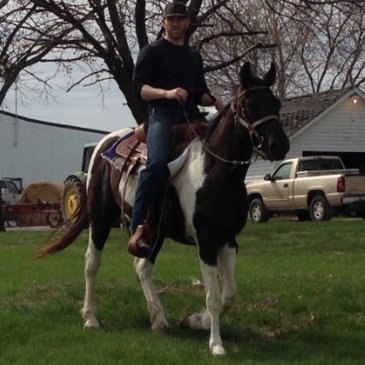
298	111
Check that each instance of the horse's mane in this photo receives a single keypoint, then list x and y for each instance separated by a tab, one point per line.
213	124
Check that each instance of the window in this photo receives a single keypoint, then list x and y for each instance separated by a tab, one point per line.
320	164
283	171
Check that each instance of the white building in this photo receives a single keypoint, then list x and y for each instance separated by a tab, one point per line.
328	123
41	151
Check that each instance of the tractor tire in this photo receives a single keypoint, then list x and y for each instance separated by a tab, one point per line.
319	209
73	194
258	212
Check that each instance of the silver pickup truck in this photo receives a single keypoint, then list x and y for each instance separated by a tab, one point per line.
314	188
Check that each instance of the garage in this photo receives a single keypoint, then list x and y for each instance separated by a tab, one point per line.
328	123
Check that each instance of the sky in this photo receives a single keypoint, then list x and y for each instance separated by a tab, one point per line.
83	106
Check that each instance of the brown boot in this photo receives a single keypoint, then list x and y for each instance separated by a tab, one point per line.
137	245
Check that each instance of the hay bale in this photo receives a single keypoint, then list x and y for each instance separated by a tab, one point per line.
42	191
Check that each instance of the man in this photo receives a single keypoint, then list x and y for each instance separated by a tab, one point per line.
169	77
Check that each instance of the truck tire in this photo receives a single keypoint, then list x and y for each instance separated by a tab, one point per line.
73	193
319	209
257	211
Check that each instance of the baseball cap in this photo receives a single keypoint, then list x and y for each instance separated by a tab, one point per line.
176	8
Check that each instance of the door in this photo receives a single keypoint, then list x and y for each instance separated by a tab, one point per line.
278	195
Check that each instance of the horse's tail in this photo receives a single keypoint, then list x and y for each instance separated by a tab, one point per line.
79	221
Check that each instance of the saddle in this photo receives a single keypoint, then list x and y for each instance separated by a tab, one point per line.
133	150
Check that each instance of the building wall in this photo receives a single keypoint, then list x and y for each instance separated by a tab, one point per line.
41	151
342	129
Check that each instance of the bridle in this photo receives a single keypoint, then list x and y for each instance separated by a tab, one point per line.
240	116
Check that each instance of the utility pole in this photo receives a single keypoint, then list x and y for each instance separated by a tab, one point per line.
2	226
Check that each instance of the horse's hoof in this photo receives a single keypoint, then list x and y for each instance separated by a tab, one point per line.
91	323
218	350
161	330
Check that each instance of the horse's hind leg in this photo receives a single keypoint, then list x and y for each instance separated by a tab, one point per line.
98	234
92	265
144	269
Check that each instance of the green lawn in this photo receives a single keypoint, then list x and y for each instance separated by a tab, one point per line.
301	300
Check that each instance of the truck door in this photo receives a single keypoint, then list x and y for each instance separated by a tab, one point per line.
280	189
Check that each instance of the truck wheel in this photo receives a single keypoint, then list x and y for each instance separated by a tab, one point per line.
319	209
72	195
257	211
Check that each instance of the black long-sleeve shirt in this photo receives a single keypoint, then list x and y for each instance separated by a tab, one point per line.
165	65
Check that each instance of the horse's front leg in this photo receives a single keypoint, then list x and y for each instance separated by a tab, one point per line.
226	269
214	306
144	269
209	317
92	265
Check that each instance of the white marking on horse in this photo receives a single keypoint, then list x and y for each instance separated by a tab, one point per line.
188	182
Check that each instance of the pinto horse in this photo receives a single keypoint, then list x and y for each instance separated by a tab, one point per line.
205	203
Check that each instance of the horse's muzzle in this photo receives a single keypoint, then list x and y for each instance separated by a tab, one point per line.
278	148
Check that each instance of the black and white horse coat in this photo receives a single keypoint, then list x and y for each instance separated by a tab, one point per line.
206	203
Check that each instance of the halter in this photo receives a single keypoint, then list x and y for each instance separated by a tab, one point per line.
241	117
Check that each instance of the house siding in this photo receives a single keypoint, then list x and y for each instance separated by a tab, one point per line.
342	129
41	151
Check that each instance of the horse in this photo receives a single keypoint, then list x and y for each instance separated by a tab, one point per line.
205	203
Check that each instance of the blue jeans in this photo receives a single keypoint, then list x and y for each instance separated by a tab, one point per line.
155	175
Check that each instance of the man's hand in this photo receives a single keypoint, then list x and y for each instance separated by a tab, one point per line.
179	94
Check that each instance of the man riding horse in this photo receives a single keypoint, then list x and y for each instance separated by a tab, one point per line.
169	77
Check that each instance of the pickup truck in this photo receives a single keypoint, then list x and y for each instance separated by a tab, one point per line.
314	188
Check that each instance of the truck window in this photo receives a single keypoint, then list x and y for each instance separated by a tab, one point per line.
325	164
283	172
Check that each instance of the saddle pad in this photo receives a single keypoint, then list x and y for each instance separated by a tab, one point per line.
110	154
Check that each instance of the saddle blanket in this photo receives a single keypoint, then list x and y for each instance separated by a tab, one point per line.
122	163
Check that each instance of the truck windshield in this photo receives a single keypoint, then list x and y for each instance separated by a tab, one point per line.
320	164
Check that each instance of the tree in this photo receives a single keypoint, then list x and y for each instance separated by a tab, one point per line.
319	44
114	32
23	40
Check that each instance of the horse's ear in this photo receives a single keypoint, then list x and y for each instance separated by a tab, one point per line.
246	74
270	77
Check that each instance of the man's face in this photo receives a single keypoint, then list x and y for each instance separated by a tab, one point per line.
175	26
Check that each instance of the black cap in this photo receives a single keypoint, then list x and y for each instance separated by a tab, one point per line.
176	8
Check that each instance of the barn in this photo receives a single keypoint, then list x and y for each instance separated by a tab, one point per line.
328	123
35	150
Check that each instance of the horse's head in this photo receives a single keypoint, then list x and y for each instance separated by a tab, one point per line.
257	109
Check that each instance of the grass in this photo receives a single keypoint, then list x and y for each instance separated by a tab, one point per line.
301	300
